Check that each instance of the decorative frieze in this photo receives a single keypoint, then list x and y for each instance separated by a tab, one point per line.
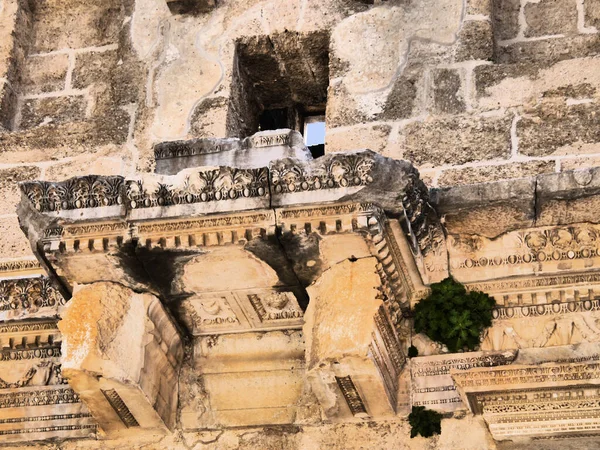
432	384
352	397
83	192
341	171
29	294
202	186
120	408
241	311
523	252
37	397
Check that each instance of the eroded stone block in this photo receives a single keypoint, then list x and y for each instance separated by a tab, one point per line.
346	362
122	354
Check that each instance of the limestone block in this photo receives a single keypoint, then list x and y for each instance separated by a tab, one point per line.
592	14
457	140
249	153
549	17
567	197
87	25
121	354
486	174
448	97
45	73
467	209
9	184
552	126
505	16
346	361
475	41
40	111
431	381
549	51
244	379
374	137
94	67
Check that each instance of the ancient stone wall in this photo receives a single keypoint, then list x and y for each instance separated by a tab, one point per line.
468	91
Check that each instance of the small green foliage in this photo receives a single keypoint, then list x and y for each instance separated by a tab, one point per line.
412	351
424	422
453	316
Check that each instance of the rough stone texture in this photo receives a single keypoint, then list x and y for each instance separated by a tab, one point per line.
75	24
94	67
548	17
472	175
45	73
505	15
457	140
592	14
475	41
57	110
99	88
549	51
14	244
552	126
9	179
447	94
374	137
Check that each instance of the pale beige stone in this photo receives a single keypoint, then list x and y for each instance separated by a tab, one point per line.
121	354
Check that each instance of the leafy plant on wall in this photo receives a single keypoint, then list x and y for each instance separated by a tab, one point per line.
454	317
424	422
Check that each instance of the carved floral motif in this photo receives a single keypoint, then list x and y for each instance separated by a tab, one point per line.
83	192
203	186
339	172
28	294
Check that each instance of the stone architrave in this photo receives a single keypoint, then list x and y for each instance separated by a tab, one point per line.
121	355
544	400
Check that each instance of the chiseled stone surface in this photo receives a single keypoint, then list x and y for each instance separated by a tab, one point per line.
218	286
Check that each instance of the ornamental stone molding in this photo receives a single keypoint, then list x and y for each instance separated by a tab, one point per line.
261	283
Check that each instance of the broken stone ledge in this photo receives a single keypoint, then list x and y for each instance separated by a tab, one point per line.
545	200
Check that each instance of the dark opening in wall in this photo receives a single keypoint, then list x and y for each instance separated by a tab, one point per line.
278	81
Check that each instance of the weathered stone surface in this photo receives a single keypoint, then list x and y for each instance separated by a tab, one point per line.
402	99
46	73
8	106
75	24
476	7
466	209
14	244
567	197
94	67
9	179
447	92
592	14
510	85
457	140
57	110
505	16
552	125
549	51
374	137
472	175
548	17
475	41
121	354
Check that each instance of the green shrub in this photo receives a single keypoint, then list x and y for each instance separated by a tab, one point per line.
413	351
453	316
424	422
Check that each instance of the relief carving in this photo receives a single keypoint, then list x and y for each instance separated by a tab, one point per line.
202	186
340	172
83	192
